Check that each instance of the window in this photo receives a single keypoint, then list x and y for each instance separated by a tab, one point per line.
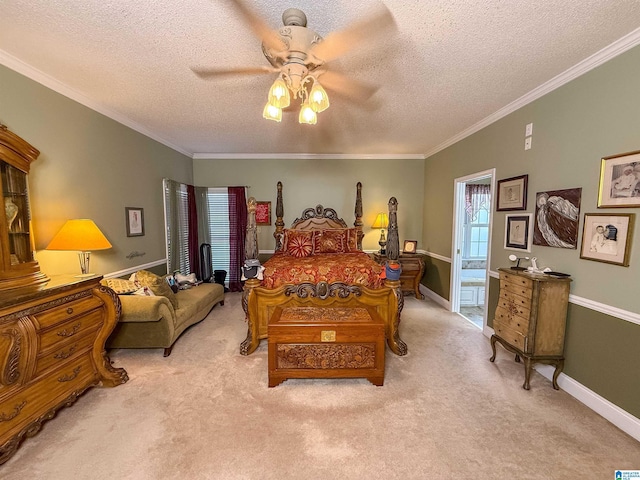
219	234
177	225
476	221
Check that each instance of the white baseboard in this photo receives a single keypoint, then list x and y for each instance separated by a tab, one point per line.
614	414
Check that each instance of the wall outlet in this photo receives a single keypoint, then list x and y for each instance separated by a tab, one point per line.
527	143
528	130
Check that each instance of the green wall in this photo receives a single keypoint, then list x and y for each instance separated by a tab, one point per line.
574	126
89	167
329	182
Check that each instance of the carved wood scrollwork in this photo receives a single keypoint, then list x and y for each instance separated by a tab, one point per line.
402	347
5	417
320	212
11	371
322	290
326	356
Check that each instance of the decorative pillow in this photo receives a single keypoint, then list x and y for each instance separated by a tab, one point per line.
330	241
352	242
298	243
120	286
157	285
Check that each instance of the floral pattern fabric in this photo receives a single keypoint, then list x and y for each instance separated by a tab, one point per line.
355	268
299	243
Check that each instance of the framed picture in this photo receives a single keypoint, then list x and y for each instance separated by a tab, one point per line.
620	181
410	246
557	218
518	232
607	238
263	213
512	193
135	221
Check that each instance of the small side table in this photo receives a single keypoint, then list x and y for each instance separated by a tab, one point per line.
412	271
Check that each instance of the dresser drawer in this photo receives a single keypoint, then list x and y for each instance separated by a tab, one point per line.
64	312
513	337
515	304
74	327
20	410
515	289
517	280
516	322
73	347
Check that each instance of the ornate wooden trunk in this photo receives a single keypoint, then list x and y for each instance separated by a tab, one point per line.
51	350
318	342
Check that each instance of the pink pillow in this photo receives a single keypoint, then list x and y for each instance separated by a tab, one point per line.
298	243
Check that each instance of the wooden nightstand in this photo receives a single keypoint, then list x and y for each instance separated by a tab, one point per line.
412	271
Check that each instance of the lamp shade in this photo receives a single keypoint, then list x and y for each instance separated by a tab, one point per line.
381	221
79	234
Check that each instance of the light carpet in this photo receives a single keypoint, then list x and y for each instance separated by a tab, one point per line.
444	412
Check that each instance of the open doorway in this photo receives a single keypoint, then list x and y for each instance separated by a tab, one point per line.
471	247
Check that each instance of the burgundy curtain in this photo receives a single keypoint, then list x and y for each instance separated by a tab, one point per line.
193	248
237	232
476	197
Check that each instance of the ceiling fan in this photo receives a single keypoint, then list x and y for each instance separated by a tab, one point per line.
300	57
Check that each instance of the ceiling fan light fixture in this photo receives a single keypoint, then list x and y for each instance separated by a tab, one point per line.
307	115
318	98
279	94
272	112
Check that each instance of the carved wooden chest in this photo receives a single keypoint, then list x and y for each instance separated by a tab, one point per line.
316	342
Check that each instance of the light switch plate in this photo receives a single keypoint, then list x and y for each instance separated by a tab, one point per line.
528	130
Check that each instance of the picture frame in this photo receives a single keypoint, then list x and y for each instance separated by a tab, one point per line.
410	246
620	180
263	213
512	193
134	220
518	232
607	237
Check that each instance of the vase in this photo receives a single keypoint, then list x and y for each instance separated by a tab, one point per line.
10	211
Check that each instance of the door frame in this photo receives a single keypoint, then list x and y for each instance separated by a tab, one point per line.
457	236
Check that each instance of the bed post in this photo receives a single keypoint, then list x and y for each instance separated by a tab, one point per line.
393	253
279	218
250	252
358	212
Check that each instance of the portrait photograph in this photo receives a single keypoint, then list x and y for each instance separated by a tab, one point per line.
607	238
620	181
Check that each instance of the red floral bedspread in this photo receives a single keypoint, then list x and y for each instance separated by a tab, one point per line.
355	268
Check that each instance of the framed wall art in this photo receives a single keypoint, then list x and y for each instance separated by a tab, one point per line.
557	218
607	238
410	246
134	218
518	232
512	193
263	213
620	181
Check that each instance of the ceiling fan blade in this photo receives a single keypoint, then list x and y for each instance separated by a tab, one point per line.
264	32
338	43
209	73
348	87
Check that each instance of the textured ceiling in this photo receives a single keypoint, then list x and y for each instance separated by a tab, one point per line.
449	65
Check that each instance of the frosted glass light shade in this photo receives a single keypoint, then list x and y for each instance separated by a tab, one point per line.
271	112
307	115
279	94
318	98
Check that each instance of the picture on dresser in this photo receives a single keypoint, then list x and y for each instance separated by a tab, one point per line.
410	246
557	218
518	232
620	181
607	238
512	193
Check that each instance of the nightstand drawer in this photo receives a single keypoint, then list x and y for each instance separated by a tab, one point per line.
511	336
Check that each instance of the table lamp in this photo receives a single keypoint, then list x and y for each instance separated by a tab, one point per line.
381	222
82	235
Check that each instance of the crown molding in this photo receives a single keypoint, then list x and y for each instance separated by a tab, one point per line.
307	156
611	51
42	78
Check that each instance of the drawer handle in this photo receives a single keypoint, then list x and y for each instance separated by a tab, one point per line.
16	411
69	333
62	355
68	378
69	310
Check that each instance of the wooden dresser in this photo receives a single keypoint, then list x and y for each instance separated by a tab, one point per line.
530	319
412	271
52	340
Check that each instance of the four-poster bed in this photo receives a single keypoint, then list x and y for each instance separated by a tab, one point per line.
319	262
